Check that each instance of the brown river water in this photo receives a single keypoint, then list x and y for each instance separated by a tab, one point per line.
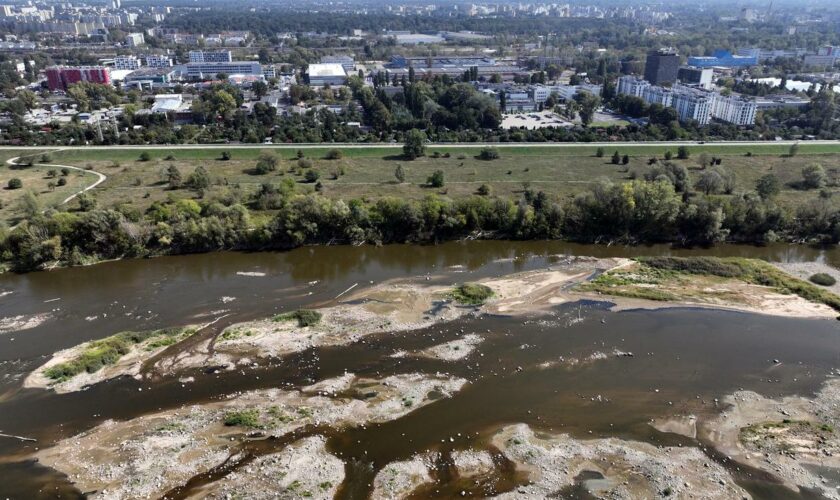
685	358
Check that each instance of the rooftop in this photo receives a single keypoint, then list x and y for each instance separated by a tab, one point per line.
326	70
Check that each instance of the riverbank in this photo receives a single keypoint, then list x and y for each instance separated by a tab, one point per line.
414	304
150	455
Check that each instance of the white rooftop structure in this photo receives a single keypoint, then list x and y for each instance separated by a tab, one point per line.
326	74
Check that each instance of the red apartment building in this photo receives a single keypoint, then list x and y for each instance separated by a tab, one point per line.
60	77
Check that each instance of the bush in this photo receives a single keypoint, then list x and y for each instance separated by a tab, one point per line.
813	176
266	163
483	190
436	179
243	418
304	163
61	182
304	317
333	154
683	153
488	154
311	176
471	294
145	156
599	153
822	279
15	183
65	171
225	156
170	157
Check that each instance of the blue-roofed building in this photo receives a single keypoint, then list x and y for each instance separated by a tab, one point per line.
723	58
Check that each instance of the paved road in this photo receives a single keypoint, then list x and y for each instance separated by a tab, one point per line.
436	145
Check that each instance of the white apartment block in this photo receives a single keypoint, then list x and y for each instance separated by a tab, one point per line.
127	63
692	103
135	39
735	109
216	56
158	61
694	106
631	85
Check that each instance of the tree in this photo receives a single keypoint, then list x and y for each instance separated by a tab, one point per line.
87	202
616	158
65	171
669	155
793	150
709	182
29	204
587	104
399	174
813	176
173	177
266	163
683	153
199	180
483	190
333	154
436	179
259	88
768	186
52	173
145	156
599	153
415	144
225	156
14	183
311	176
488	154
62	181
625	160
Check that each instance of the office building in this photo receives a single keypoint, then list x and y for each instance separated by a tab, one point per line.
61	77
661	66
723	59
215	56
326	74
126	63
346	62
158	61
701	77
210	70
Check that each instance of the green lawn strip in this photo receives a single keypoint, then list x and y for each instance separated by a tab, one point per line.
100	353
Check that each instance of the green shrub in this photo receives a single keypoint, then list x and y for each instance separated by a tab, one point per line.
471	294
243	418
333	154
145	156
311	176
304	317
822	279
15	183
100	353
436	179
488	154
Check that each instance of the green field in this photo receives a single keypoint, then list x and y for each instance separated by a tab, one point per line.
562	171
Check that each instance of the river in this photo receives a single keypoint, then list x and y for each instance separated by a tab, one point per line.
686	358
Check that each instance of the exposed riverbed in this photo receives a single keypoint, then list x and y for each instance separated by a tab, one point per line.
492	389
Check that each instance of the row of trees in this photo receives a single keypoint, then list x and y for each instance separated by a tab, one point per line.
657	208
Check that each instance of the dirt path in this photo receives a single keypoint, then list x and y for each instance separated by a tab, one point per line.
100	176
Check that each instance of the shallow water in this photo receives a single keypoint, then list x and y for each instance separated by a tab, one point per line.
683	358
